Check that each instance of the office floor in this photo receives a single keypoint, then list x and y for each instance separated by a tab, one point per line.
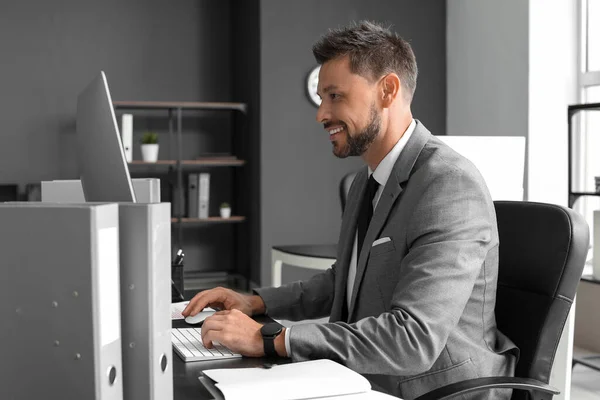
585	382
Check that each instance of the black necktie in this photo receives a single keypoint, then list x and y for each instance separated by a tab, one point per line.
366	212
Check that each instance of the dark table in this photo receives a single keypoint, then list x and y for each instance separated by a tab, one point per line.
186	385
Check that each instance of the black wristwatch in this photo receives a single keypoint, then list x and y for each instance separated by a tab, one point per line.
269	332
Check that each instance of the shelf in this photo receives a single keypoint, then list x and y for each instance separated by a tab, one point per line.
195	281
210	220
189	105
215	162
580	107
574	196
585	193
159	162
207	162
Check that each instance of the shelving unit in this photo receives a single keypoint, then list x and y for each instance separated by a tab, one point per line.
573	196
175	167
572	111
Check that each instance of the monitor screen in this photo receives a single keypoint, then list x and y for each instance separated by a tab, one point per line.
102	165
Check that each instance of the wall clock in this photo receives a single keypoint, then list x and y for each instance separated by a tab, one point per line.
311	85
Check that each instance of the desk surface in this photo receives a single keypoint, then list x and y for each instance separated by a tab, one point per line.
186	385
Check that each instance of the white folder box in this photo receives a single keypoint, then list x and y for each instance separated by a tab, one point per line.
147	190
145	287
203	194
61	333
127	135
145	239
193	209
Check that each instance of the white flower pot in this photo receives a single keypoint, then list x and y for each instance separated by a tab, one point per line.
225	212
150	152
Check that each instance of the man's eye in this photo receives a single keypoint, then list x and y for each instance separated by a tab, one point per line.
334	96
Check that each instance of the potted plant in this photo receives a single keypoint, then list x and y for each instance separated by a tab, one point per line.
225	210
150	147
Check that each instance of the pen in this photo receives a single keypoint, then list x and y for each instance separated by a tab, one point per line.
180	260
178	257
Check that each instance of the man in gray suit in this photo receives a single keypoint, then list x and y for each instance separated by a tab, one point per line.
411	296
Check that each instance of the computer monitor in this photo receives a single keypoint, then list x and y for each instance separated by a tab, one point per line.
102	165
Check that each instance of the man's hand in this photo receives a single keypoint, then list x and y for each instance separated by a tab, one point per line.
225	299
234	330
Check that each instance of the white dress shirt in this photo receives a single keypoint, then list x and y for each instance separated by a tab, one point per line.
381	175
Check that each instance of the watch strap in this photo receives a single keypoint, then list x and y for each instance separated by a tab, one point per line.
269	346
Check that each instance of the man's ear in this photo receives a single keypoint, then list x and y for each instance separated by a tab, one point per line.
390	89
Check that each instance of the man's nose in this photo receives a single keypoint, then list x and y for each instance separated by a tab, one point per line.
323	114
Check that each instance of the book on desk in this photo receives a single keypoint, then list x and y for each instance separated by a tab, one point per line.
301	380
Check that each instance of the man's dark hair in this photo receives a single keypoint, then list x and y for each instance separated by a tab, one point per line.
373	50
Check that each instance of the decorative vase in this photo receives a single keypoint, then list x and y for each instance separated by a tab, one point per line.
225	212
150	152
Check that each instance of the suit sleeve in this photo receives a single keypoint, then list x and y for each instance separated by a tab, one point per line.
450	234
300	300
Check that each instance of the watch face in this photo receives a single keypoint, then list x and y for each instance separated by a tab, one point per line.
311	85
271	329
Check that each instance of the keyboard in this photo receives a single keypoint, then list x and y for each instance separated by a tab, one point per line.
187	343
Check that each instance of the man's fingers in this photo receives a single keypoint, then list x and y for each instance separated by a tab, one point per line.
213	323
204	298
210	332
217	306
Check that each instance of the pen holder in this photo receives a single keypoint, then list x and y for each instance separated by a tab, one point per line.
177	278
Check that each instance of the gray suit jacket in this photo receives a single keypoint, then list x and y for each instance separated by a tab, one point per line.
422	309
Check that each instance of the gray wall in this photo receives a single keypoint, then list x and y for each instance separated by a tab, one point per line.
488	60
246	88
299	174
149	49
190	50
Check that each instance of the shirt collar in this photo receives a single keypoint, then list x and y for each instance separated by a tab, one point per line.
385	167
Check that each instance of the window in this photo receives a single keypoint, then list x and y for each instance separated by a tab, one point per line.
586	138
592	32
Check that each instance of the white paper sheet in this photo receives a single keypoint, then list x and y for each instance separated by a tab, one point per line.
302	380
177	308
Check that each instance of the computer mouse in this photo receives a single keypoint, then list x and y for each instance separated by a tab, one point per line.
200	317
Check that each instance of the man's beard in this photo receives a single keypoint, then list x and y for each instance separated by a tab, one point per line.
356	145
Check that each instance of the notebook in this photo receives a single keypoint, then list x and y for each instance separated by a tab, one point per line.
302	380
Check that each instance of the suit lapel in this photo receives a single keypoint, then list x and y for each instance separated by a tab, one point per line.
392	190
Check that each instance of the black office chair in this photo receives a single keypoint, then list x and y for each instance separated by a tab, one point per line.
542	254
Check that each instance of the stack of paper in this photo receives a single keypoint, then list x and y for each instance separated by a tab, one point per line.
303	380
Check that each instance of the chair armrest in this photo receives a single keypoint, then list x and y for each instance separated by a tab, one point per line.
493	382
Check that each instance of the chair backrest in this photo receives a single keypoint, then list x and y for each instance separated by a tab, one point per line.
542	254
345	184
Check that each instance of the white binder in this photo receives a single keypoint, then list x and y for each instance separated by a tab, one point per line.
145	287
61	332
203	194
145	239
147	190
127	135
193	196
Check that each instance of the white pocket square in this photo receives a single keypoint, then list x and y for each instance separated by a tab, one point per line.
381	240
